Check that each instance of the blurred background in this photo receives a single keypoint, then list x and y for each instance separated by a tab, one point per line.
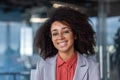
19	20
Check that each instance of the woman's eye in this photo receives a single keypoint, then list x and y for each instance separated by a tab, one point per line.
54	34
67	31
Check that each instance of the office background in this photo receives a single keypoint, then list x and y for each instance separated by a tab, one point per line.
19	20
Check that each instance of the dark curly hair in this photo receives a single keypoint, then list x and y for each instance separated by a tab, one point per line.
80	26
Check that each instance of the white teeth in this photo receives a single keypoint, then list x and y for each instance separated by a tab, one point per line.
62	43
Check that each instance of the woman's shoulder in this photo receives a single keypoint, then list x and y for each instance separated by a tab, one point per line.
93	64
92	61
43	62
89	60
40	63
93	68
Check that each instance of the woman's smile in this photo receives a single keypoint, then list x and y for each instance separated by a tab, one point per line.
62	44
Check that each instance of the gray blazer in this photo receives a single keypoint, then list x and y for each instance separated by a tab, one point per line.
86	69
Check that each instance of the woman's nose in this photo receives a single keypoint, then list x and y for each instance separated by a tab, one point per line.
60	36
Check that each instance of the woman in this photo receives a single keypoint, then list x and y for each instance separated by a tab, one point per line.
62	42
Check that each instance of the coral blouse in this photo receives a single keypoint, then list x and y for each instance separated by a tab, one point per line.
65	69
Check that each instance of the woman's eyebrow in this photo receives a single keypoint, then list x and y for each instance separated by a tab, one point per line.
53	30
66	27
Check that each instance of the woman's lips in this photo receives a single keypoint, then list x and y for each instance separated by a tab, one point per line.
62	44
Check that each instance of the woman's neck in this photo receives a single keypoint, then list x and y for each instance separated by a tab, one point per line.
66	55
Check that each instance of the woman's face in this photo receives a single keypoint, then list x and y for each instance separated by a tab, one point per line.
62	37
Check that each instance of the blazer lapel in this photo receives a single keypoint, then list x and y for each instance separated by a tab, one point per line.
50	69
81	68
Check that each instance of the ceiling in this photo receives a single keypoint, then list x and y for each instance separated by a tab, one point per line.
31	6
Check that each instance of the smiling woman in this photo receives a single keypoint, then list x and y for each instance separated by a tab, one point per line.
61	41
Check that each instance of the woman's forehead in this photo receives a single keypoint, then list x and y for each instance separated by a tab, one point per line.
58	24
